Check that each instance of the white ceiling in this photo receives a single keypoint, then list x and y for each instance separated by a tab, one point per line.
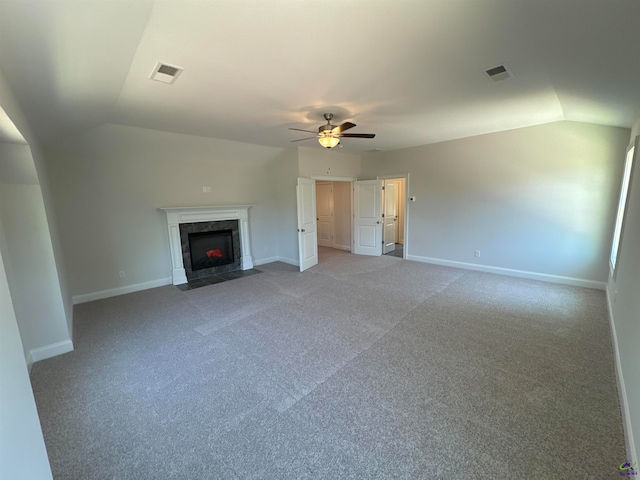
411	71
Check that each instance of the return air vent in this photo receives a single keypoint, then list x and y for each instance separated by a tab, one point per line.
165	73
499	72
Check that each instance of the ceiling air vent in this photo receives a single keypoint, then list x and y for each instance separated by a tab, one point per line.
499	72
165	73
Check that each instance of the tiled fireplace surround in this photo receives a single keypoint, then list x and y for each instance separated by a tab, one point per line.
191	215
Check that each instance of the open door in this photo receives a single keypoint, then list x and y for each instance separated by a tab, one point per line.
307	239
367	224
390	215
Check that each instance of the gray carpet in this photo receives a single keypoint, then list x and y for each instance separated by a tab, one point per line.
358	368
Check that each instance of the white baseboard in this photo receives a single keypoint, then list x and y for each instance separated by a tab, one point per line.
113	292
342	247
264	261
48	351
622	391
290	261
544	277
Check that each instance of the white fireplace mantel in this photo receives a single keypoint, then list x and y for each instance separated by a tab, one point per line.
178	215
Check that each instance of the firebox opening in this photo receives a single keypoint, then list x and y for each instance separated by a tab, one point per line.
211	249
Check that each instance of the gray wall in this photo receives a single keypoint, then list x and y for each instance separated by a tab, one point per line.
283	175
327	162
538	199
29	259
31	271
625	302
22	450
109	183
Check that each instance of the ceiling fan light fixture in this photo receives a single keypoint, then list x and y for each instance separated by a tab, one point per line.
328	141
329	135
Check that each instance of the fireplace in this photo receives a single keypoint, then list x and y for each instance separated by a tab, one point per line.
182	221
209	248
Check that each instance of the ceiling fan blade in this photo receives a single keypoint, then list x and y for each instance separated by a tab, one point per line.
300	139
341	128
358	135
301	130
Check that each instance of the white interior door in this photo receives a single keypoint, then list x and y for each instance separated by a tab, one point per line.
389	215
324	213
307	240
367	224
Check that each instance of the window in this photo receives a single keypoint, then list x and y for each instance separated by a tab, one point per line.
626	179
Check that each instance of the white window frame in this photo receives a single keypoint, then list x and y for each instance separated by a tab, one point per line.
622	205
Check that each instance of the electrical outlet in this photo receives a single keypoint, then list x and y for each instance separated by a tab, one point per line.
121	274
206	189
476	253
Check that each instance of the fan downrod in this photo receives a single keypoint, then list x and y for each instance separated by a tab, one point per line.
328	127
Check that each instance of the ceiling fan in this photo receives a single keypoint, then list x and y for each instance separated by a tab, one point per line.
329	135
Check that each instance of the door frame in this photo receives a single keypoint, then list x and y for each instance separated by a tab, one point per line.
350	180
386	184
405	247
406	176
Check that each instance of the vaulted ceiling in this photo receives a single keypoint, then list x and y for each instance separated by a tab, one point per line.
411	71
